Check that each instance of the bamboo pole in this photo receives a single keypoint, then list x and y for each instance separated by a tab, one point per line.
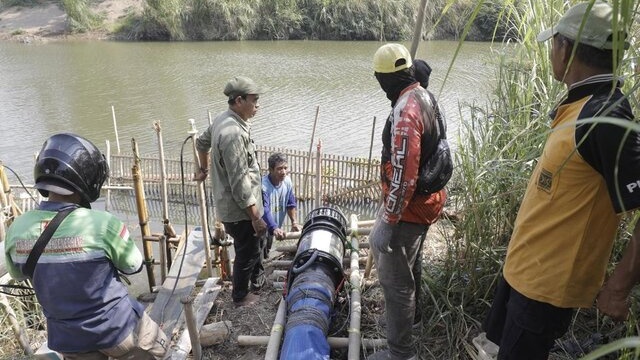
319	174
163	171
4	188
3	230
356	306
194	336
373	133
162	240
294	248
167	228
143	214
273	346
108	201
204	222
334	342
306	172
18	330
417	33
115	128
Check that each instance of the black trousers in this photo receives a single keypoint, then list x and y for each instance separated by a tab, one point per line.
525	329
247	265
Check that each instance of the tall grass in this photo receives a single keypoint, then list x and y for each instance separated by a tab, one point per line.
499	145
80	16
381	20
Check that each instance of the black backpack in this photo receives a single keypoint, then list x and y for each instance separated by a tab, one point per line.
436	165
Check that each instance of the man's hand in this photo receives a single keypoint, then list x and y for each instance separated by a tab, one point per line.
279	234
201	175
380	236
259	226
613	299
613	303
295	227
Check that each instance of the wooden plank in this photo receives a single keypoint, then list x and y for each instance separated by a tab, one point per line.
180	281
203	304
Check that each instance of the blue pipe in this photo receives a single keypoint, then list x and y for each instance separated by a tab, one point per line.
309	307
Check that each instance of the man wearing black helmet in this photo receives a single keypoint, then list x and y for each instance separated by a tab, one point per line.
74	268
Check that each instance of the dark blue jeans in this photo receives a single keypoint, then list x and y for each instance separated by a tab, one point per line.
247	265
525	329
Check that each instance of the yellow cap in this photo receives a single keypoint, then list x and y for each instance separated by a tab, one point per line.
390	58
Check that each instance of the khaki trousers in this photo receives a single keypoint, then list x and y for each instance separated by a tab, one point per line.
396	278
146	342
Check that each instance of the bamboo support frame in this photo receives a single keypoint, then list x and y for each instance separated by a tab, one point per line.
373	133
204	222
162	240
17	328
334	342
313	134
342	177
107	202
4	188
273	345
143	216
168	230
194	334
319	175
356	306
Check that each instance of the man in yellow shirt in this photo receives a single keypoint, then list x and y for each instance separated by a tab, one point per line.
587	177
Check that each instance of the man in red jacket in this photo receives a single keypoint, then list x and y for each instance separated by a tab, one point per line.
407	212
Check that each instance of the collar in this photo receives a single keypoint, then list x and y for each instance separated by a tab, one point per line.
593	85
56	206
597	84
243	123
596	79
272	183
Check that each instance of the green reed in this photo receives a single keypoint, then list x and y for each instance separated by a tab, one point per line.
80	16
381	20
498	147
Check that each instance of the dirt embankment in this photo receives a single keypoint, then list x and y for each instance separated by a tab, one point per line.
48	21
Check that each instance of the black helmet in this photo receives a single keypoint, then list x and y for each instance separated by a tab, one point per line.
69	163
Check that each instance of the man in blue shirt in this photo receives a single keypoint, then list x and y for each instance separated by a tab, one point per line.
279	200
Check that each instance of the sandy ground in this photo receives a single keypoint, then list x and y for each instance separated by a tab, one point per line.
48	21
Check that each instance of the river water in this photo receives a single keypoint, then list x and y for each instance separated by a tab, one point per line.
72	86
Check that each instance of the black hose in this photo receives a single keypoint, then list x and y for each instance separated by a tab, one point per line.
298	269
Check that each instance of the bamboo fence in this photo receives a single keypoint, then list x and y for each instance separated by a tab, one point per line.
342	177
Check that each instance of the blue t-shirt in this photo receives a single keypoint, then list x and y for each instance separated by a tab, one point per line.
277	199
76	279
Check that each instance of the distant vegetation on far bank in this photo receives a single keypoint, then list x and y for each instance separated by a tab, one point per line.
380	20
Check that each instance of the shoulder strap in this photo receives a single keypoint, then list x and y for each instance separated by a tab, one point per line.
42	242
429	143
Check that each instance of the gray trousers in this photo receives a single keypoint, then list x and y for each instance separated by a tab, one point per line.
396	279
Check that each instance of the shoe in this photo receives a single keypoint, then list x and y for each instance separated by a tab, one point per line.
258	284
487	350
387	355
248	300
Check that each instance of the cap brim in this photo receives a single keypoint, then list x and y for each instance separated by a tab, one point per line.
545	34
52	187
